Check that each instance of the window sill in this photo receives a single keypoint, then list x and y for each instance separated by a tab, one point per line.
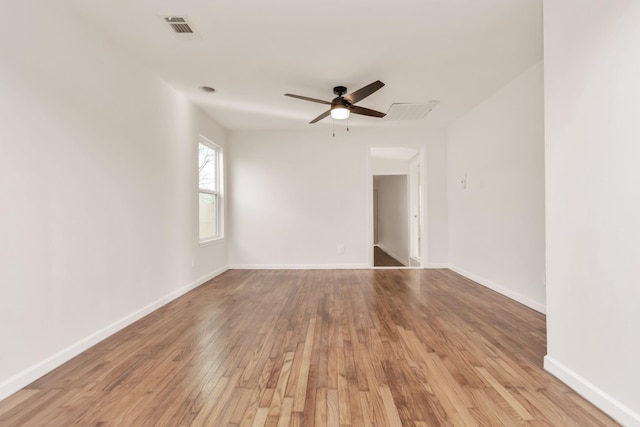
211	242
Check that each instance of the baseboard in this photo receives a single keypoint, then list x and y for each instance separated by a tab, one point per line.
320	267
535	305
616	410
298	266
27	376
438	266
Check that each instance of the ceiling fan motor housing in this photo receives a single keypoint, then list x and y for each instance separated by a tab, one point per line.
340	102
339	90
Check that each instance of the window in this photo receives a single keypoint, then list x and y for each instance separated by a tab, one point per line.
210	190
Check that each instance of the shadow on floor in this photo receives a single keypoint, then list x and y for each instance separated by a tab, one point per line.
383	259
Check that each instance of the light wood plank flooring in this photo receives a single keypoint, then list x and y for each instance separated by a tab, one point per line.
315	348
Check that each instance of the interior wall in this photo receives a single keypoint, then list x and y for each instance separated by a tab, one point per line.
298	197
496	213
98	181
382	166
393	215
436	204
593	200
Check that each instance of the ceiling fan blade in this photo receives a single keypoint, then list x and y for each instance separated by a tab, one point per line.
320	117
362	93
306	98
366	111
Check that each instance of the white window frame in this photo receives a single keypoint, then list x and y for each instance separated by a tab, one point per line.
218	192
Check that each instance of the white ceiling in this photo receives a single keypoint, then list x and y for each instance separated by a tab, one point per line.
253	51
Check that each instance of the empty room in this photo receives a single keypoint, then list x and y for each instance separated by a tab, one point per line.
291	213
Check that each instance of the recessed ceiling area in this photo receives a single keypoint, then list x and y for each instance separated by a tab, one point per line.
253	52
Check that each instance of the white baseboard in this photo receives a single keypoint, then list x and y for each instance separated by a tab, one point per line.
535	305
438	266
27	376
298	266
616	410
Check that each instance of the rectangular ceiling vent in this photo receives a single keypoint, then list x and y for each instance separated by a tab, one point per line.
410	110
181	27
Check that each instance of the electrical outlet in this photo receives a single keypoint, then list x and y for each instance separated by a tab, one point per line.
340	248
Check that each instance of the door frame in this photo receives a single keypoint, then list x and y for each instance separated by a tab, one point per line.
422	151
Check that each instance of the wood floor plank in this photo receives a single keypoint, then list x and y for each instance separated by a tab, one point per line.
315	348
506	395
390	409
344	399
303	373
260	418
286	412
333	413
244	399
16	399
281	385
321	407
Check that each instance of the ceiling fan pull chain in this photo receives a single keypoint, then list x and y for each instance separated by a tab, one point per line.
334	127
347	124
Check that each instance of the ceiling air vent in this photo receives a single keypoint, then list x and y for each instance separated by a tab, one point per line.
410	110
178	25
181	27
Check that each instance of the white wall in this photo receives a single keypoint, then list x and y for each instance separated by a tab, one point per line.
297	196
382	166
496	223
393	215
436	204
592	88
98	182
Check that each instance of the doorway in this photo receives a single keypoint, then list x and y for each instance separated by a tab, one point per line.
396	200
391	221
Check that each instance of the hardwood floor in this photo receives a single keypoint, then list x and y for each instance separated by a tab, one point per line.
304	348
383	259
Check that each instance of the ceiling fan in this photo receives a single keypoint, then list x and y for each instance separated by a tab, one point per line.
343	105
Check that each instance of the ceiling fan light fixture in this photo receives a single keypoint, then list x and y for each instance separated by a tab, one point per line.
343	105
339	112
